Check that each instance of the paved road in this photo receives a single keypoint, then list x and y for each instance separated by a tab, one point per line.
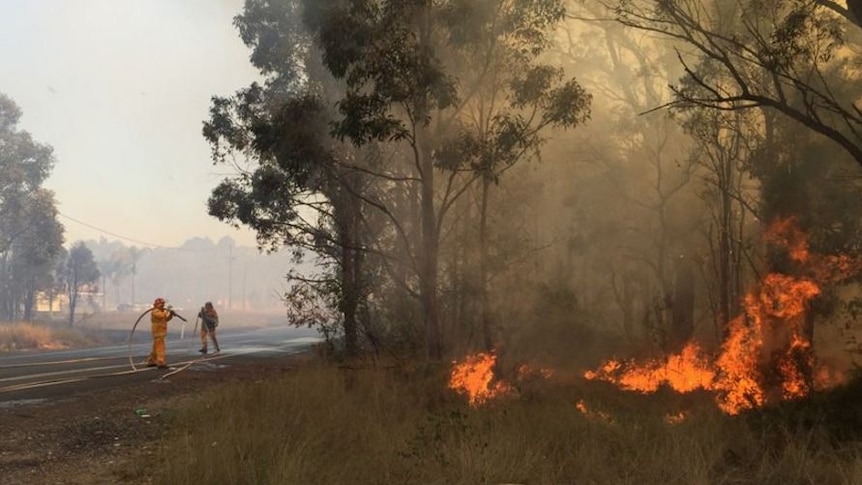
32	377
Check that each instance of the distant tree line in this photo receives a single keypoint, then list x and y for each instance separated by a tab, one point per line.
233	277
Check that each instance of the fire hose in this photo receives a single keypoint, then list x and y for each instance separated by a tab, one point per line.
132	334
202	357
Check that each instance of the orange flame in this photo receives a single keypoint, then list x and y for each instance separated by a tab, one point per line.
770	332
601	415
475	378
684	372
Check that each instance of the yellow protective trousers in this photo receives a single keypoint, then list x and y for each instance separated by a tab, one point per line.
157	355
159	319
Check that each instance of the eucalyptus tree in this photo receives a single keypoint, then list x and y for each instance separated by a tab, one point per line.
634	195
792	68
776	56
29	232
292	185
391	70
78	271
510	97
36	250
407	86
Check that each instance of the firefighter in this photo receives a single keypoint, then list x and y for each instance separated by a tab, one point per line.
209	322
159	317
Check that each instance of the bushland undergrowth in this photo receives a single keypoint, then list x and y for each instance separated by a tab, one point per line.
328	425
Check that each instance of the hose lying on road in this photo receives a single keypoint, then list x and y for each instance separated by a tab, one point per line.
202	357
54	381
132	334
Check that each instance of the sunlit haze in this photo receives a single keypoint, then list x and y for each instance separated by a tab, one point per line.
120	88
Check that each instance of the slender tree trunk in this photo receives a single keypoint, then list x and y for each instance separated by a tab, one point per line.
429	259
350	277
487	317
29	301
348	296
73	301
683	302
724	270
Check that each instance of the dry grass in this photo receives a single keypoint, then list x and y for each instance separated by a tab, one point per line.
42	336
324	425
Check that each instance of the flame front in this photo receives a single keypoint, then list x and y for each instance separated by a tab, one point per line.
766	355
475	378
684	372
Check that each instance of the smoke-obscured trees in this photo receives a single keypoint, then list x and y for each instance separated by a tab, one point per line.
297	189
791	69
431	98
30	235
773	55
633	207
77	272
723	146
512	98
36	250
764	89
408	84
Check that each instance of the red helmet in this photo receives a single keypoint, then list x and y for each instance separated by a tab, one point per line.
159	300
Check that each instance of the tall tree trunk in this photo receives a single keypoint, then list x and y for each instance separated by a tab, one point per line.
351	272
429	258
29	300
682	317
487	316
349	290
724	264
73	301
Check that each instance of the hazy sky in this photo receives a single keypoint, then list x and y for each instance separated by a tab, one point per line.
120	88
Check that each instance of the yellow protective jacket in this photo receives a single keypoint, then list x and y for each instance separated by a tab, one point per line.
159	318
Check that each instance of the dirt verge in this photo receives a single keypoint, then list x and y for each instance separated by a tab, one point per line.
104	437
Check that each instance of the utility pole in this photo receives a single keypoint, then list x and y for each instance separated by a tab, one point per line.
134	270
229	275
135	254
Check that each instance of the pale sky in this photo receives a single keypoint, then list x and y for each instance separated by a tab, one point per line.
120	89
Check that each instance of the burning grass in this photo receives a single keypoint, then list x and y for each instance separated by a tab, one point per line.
324	425
753	412
767	355
32	336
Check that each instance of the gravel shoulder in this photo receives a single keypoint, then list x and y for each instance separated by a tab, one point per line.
97	437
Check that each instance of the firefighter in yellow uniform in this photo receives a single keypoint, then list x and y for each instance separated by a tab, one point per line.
159	317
